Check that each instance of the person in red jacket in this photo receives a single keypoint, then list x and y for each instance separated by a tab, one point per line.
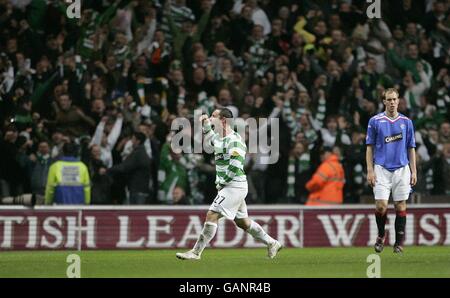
327	184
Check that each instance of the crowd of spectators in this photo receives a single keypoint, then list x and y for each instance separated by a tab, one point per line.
115	79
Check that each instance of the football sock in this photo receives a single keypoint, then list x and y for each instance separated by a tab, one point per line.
400	222
381	222
208	233
258	233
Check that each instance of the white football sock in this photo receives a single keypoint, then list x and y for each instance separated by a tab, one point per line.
208	233
258	233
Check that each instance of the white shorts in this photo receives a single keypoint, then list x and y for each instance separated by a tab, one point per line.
397	182
230	201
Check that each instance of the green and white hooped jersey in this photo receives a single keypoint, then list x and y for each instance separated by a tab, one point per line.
229	153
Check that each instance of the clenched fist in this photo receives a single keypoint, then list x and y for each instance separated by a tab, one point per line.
203	117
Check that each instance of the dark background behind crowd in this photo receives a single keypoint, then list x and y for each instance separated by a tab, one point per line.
134	66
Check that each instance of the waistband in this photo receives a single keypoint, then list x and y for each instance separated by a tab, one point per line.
238	184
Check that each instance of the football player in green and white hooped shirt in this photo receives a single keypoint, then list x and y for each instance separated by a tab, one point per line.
231	183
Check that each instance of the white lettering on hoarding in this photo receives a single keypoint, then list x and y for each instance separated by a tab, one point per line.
409	230
340	235
292	234
71	232
53	231
124	229
8	231
447	225
192	231
90	231
58	232
154	230
373	230
32	232
428	223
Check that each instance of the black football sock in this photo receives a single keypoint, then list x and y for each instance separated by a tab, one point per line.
400	223
381	222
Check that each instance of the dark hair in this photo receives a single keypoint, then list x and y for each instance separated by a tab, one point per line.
21	140
326	149
70	149
225	113
140	137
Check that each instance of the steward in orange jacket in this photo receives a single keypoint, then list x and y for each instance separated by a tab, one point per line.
327	184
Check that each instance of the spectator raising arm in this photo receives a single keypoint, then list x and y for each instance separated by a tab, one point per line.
115	132
97	139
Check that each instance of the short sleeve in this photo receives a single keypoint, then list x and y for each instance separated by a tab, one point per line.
371	132
410	139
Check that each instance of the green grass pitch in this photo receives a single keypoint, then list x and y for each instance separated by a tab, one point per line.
291	262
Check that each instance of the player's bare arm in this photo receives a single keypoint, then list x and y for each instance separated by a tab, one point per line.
371	178
412	165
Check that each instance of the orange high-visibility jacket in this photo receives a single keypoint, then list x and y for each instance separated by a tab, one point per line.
327	184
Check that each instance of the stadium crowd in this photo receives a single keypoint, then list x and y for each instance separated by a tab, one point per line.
113	81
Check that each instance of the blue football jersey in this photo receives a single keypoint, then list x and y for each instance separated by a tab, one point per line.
391	139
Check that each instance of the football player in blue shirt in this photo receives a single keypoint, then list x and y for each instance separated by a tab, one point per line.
391	165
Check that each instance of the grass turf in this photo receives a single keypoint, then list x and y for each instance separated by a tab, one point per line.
291	262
